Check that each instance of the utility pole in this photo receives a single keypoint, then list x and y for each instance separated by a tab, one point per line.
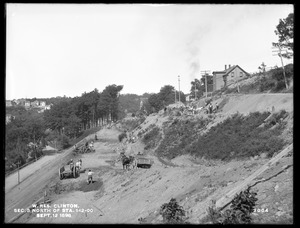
195	90
205	73
175	94
18	172
278	52
179	86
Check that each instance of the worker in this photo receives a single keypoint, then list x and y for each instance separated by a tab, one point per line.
78	165
210	108
90	177
91	145
71	165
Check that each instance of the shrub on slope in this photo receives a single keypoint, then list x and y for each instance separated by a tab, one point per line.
237	137
179	135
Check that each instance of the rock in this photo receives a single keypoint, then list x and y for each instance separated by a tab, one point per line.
280	213
276	187
280	208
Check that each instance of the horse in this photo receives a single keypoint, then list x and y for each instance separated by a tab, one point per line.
132	162
127	161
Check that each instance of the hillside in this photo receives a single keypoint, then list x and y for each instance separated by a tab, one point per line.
177	141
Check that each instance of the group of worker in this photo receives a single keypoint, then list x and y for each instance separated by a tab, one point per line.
78	166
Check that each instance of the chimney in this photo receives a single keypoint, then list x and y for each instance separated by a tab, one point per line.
229	66
225	67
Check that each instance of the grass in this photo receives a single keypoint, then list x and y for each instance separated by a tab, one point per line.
237	137
151	138
178	136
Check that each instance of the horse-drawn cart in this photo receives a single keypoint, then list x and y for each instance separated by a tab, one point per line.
143	162
67	171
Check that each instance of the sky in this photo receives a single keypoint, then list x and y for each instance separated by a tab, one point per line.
68	49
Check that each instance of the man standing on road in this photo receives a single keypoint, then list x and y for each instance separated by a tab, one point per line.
90	176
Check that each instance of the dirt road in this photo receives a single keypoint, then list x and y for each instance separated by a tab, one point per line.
12	180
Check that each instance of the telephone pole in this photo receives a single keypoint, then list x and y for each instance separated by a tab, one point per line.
195	90
278	52
205	73
175	94
179	87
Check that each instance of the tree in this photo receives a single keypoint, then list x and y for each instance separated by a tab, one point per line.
285	32
209	80
199	89
167	95
109	101
155	102
262	68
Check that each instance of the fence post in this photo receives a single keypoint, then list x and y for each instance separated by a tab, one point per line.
18	172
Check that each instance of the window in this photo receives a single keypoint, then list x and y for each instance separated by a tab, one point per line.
241	74
232	74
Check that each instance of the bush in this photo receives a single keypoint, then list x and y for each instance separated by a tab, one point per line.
172	212
266	84
239	134
122	136
150	139
64	141
240	210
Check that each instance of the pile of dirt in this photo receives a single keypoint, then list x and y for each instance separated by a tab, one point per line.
84	186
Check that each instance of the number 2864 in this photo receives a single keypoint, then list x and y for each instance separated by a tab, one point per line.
260	210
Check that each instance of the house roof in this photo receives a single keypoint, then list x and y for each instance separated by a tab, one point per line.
232	68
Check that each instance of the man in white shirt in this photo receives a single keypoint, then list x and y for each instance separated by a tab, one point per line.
90	176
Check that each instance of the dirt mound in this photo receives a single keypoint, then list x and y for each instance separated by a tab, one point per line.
86	187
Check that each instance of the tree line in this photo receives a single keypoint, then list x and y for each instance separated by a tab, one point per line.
29	131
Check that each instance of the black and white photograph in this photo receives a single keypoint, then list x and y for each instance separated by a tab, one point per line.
150	113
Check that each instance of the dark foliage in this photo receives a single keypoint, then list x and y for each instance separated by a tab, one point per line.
172	212
240	210
237	137
122	136
151	138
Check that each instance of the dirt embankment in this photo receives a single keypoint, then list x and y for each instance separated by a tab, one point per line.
119	196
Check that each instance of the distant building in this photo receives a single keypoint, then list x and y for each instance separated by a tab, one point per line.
8	118
27	104
42	103
228	76
35	103
8	103
47	107
21	102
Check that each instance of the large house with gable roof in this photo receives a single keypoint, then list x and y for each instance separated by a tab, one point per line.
228	76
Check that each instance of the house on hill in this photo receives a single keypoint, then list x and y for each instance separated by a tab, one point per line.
27	104
8	118
228	76
35	103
